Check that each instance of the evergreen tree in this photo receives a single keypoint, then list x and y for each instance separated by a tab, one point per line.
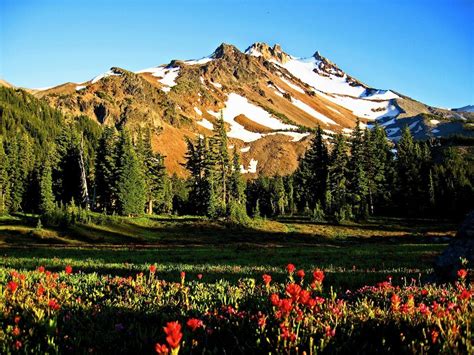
4	183
130	180
154	171
312	172
47	203
338	173
106	171
358	178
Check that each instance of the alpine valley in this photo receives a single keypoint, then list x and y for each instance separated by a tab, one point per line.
271	102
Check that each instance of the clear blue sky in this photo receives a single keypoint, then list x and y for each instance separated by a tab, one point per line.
424	49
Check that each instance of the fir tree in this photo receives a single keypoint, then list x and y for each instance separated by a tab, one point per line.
312	172
358	177
130	180
47	203
338	173
106	171
4	183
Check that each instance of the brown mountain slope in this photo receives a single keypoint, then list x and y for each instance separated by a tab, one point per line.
270	102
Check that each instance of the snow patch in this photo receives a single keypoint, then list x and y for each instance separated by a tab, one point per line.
291	85
309	110
103	75
435	122
245	149
167	76
306	71
198	61
217	85
80	87
252	167
198	111
206	124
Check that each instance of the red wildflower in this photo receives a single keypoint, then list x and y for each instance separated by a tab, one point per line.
465	295
266	279
40	269
173	334
12	286
395	302
17	319
199	276
300	274
53	304
318	276
262	321
293	290
152	269
462	273
68	269
18	345
40	290
424	292
330	332
194	324
275	299
286	305
16	331
183	275
290	268
161	349
434	336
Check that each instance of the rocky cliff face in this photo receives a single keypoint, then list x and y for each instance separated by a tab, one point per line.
269	99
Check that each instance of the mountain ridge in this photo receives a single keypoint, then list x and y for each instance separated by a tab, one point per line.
271	102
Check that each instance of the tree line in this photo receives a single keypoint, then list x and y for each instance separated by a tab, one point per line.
50	163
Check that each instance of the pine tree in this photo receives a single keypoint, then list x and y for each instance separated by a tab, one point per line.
312	172
106	171
237	184
358	181
130	180
338	177
47	203
4	183
154	171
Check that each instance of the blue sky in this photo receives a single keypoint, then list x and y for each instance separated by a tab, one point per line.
424	49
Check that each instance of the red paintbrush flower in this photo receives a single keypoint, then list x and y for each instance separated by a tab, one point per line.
12	286
290	268
266	279
318	276
152	269
53	304
68	269
199	276
194	323
173	334
161	349
462	273
41	269
300	274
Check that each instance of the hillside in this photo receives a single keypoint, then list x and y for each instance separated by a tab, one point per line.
270	101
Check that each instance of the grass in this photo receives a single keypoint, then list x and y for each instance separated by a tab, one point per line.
352	254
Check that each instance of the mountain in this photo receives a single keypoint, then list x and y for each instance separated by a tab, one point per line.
271	101
469	108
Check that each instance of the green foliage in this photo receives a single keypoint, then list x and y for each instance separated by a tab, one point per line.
130	179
